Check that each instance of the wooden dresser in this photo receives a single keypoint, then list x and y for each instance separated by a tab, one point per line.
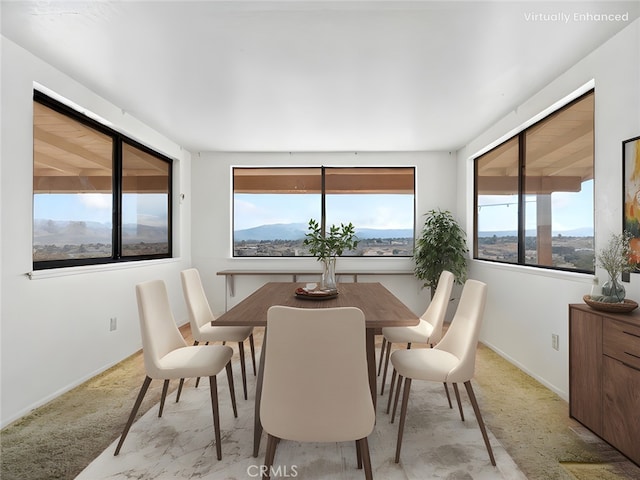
604	375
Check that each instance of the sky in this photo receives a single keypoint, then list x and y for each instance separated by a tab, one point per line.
570	211
364	211
147	209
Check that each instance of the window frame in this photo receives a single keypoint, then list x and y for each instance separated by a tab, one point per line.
323	211
118	140
521	200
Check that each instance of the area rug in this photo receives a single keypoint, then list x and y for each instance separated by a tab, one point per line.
437	444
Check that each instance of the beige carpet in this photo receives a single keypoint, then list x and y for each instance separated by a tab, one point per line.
61	438
533	424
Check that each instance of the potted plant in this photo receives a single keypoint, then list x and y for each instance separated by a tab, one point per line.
441	246
616	258
326	246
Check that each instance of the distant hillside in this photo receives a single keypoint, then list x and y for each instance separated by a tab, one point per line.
277	231
134	233
297	231
576	232
382	233
58	232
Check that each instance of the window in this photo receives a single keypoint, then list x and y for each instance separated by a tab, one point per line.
534	193
272	208
88	179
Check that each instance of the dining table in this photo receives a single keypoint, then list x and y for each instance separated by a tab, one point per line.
381	309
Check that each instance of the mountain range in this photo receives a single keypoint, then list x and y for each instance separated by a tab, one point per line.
297	231
67	232
576	232
76	232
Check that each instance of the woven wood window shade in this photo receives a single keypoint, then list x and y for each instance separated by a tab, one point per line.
357	180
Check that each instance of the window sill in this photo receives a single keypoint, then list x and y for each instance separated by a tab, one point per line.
543	272
66	271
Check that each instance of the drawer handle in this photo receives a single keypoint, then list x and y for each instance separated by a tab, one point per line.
632	355
632	334
630	366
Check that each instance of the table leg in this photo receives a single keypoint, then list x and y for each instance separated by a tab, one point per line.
371	362
257	425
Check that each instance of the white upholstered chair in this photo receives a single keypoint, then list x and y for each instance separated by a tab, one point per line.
452	360
315	386
167	356
428	331
200	317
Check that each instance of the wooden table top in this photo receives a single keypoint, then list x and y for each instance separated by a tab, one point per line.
381	308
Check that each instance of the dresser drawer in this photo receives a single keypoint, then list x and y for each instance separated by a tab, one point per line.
622	342
621	403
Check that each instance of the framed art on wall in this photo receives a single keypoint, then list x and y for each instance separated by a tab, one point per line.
631	193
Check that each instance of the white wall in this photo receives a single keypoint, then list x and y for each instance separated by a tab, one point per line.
55	327
211	231
525	305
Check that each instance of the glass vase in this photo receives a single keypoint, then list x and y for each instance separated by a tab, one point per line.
613	289
328	274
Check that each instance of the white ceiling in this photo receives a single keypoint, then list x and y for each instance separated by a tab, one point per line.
312	76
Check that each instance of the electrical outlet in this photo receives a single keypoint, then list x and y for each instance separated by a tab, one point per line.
555	341
113	323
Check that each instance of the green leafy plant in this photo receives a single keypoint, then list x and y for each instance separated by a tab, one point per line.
333	242
441	246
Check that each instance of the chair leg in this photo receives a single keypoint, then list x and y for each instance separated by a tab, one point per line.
446	389
395	402
198	379
232	388
386	366
393	382
179	390
243	369
272	443
213	387
392	386
134	411
476	410
403	416
384	344
195	343
165	388
366	458
455	389
358	455
253	353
